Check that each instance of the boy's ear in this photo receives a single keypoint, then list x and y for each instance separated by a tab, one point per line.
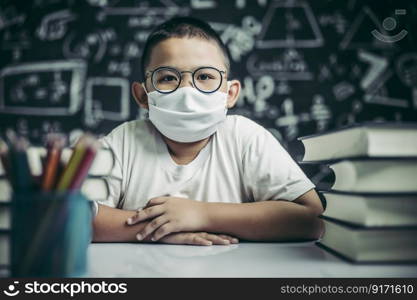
140	95
234	91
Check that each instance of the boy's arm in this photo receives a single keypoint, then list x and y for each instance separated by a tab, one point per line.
109	225
258	221
269	220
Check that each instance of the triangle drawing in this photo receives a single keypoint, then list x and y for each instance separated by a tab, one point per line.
289	24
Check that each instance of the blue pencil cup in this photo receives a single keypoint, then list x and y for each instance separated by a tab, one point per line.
50	234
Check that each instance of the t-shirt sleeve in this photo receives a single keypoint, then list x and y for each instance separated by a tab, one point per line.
114	178
270	172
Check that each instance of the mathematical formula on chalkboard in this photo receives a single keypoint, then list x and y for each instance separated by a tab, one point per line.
305	66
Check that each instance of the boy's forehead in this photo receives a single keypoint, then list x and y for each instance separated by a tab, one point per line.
186	53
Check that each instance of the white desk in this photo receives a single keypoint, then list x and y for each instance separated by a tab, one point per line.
241	260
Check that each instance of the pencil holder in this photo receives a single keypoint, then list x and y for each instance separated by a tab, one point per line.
50	234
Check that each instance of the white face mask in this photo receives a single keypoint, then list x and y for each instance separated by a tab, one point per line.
187	115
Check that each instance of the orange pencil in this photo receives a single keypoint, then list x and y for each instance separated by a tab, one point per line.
52	163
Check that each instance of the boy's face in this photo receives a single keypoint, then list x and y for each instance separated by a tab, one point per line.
186	54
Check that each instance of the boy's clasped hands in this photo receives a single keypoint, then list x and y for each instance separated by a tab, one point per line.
177	220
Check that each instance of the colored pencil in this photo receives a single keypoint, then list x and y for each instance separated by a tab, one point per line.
84	166
73	164
23	180
52	163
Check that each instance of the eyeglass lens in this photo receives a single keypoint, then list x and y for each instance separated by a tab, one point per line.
205	79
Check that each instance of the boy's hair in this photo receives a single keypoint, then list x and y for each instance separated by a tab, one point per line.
179	27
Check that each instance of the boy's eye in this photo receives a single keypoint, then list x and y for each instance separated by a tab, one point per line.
204	77
167	78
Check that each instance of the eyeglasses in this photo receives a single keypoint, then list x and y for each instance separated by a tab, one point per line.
167	79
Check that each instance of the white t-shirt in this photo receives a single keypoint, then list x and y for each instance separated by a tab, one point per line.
242	162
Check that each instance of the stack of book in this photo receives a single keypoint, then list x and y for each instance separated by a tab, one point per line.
93	185
371	211
5	222
5	216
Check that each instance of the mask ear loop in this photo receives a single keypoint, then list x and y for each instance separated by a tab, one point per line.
147	93
149	99
144	87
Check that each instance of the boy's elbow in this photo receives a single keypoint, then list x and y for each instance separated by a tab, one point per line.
311	201
312	227
316	229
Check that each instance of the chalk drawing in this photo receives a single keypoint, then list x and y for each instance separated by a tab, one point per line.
95	108
71	88
295	20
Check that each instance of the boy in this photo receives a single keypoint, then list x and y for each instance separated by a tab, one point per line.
190	174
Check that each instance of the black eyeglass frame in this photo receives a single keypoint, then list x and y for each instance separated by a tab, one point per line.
152	72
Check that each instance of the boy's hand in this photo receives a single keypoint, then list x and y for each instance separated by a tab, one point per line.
198	238
170	214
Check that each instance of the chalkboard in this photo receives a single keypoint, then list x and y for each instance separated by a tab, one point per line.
305	66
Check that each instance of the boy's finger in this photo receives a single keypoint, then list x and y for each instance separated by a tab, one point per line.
151	227
144	214
217	240
162	231
156	201
232	240
194	239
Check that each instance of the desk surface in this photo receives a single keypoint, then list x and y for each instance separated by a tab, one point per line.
241	260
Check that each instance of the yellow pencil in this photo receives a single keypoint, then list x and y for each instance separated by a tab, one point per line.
73	164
